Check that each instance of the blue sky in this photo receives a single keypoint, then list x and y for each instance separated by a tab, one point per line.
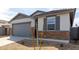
9	13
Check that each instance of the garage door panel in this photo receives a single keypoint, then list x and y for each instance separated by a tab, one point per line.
22	29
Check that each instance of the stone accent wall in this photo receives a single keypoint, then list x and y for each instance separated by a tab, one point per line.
54	34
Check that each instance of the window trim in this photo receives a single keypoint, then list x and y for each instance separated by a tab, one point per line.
54	25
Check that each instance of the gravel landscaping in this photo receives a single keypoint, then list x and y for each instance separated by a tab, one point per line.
27	44
46	45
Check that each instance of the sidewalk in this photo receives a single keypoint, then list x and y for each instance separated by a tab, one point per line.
57	40
12	39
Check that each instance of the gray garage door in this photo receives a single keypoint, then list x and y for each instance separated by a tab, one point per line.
22	30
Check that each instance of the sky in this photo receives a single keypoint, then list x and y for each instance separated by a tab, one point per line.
9	13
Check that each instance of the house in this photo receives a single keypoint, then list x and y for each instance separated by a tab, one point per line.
52	24
4	28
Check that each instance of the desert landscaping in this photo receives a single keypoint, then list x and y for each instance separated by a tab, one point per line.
45	45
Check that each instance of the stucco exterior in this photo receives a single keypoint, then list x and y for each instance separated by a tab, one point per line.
40	23
64	22
24	20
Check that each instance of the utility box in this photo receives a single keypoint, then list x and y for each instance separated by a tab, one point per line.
74	34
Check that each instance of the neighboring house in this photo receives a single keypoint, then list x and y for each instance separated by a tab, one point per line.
52	24
4	28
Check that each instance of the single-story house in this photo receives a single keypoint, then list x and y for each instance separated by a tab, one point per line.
4	28
52	24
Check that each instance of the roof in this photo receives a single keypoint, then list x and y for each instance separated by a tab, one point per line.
19	16
3	21
71	12
58	11
38	11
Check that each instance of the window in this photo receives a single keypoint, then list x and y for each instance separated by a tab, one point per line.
51	23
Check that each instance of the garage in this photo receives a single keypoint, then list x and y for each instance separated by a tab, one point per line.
22	29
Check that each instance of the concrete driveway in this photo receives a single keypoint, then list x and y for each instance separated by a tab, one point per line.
5	41
10	39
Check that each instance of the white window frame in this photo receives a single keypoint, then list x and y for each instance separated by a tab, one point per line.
54	18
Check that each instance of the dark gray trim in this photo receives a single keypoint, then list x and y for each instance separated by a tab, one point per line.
58	11
37	12
51	16
57	22
45	24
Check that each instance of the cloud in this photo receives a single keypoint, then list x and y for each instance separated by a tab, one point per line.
6	14
49	9
2	15
3	9
76	21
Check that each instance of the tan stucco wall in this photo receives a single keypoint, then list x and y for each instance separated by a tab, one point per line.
24	20
64	22
40	23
